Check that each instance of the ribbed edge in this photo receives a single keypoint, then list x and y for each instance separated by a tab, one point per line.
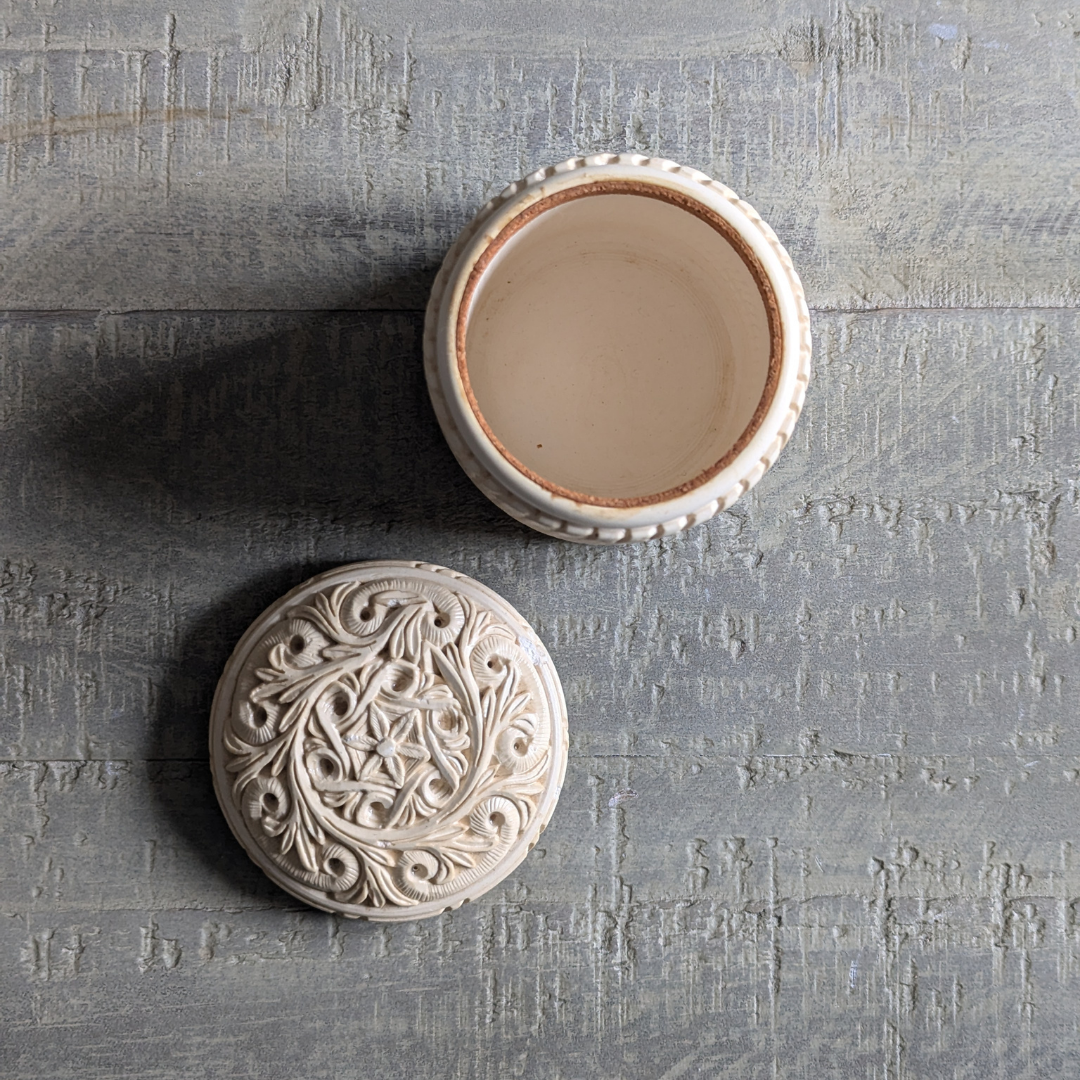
550	524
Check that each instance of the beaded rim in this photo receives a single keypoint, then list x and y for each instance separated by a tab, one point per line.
551	523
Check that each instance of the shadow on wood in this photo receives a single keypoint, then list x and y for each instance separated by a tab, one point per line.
245	423
322	417
182	789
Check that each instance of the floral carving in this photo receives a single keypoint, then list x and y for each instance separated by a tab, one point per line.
389	741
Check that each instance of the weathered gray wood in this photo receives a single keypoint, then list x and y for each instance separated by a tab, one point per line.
824	777
734	934
907	571
276	157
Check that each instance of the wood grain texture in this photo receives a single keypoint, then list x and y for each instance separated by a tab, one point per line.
302	156
820	812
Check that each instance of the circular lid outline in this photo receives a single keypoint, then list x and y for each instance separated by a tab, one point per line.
420	703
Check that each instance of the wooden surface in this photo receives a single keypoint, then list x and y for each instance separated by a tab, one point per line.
821	807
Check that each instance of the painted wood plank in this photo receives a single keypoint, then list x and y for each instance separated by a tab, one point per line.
824	774
310	157
905	577
823	771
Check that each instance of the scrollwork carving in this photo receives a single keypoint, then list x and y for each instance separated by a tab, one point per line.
388	739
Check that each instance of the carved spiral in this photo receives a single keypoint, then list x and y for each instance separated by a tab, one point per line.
266	801
301	642
443	622
336	704
441	619
323	765
398	678
418	872
524	743
493	655
364	610
255	722
415	873
339	869
496	816
436	790
374	808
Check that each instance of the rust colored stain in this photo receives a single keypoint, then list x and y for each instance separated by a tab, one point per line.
65	127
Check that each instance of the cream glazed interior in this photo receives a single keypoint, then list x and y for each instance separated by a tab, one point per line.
617	349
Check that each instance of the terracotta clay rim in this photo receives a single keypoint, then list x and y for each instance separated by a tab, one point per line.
703	213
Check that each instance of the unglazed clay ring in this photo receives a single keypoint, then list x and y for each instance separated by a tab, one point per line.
617	348
388	740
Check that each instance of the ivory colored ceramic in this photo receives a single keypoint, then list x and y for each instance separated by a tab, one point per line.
616	347
388	740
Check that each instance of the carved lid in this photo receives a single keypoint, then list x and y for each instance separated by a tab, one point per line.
388	740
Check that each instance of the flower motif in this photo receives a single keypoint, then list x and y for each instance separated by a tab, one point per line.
392	746
359	722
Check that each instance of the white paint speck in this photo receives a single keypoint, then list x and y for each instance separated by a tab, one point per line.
533	653
944	31
621	797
